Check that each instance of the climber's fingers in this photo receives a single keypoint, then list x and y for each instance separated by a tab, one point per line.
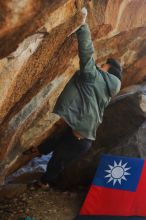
83	15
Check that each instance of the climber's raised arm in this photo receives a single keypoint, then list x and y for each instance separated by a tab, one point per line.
86	51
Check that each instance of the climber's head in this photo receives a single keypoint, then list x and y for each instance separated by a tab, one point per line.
112	66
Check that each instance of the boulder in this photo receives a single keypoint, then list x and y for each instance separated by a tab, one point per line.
39	55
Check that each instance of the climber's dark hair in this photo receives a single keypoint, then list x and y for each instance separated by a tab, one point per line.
115	68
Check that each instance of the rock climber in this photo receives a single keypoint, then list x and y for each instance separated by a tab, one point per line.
81	105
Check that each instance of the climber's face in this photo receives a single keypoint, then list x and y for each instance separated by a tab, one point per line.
105	67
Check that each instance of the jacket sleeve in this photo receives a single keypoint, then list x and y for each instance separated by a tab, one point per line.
86	50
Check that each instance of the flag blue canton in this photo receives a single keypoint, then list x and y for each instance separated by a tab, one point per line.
118	172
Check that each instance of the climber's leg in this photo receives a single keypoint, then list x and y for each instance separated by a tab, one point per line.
50	145
44	148
68	150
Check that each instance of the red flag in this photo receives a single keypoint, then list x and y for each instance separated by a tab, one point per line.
118	189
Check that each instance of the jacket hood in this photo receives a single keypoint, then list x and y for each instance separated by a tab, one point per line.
113	83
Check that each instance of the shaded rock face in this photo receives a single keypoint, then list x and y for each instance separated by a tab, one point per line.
39	55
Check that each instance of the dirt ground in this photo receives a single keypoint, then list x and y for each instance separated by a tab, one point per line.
43	205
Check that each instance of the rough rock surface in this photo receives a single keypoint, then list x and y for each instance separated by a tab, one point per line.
38	57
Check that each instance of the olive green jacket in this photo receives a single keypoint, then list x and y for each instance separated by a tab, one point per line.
87	94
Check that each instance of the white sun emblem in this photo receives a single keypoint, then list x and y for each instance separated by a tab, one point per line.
117	172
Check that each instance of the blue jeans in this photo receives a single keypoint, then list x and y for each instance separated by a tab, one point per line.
66	149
